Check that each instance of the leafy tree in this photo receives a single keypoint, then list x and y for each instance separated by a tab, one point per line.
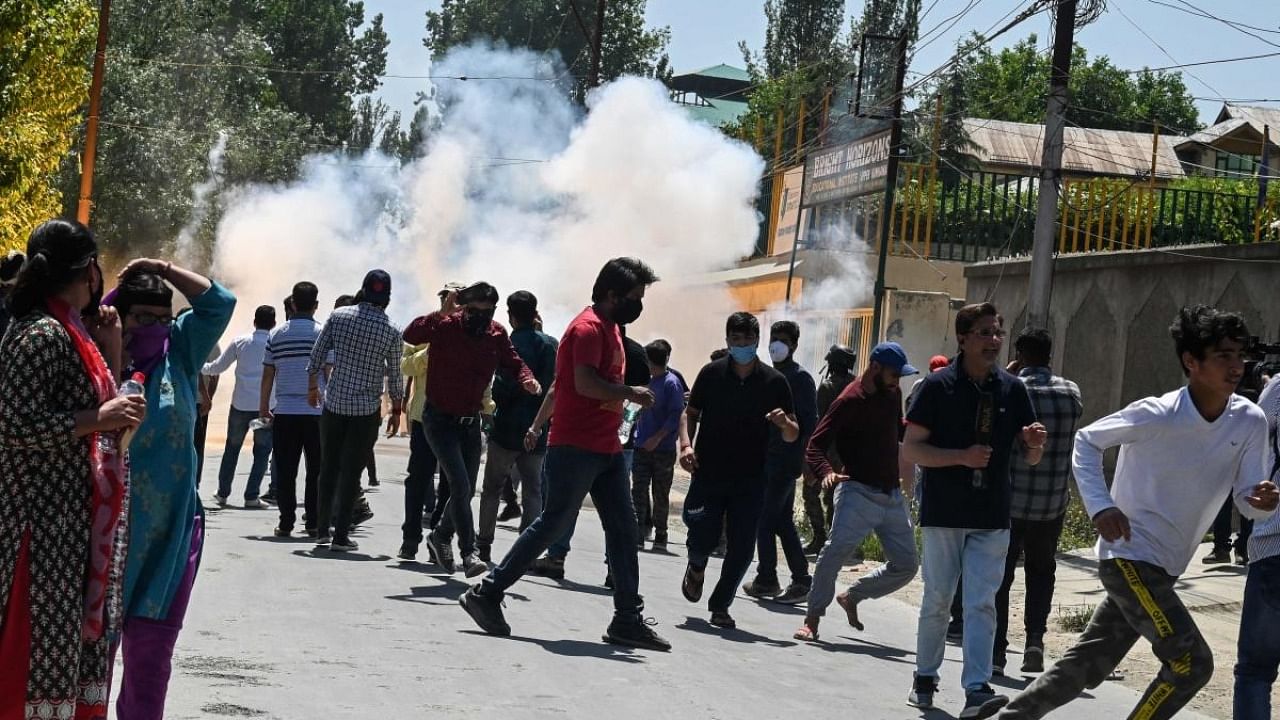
43	84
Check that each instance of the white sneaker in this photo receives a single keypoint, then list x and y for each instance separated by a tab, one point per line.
255	504
221	500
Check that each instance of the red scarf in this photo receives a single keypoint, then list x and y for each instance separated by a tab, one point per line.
106	476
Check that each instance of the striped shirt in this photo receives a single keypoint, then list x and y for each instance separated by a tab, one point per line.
1040	491
366	353
289	351
1265	540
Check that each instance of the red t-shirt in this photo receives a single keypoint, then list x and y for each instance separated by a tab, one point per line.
579	421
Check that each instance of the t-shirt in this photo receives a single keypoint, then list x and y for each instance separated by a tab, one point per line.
733	433
580	421
947	403
288	351
786	459
865	429
665	414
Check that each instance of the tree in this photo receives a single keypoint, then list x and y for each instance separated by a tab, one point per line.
44	82
628	47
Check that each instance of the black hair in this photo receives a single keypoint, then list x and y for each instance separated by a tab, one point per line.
1035	347
787	328
264	318
742	322
306	296
658	352
1200	327
142	287
58	252
969	316
344	301
478	292
10	265
523	306
621	275
718	353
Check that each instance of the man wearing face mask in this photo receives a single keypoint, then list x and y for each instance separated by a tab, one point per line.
735	404
784	466
466	348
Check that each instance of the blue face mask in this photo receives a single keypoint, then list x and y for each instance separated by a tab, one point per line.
742	354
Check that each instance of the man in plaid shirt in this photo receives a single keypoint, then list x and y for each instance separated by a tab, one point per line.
1038	503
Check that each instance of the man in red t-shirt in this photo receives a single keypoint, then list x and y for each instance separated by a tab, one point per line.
584	455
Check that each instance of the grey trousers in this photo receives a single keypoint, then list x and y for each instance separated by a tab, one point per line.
497	465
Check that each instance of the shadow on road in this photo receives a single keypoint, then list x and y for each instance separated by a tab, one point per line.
320	553
576	648
737	635
871	649
291	540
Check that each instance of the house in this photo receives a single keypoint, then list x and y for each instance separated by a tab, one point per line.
716	95
1232	146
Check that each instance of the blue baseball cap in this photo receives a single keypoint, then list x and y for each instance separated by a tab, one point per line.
891	355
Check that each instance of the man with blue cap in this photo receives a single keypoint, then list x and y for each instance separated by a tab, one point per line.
865	426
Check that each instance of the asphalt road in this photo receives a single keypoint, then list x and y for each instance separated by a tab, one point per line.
278	629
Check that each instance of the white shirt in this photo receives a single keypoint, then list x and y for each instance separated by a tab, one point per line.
246	353
1174	469
1265	540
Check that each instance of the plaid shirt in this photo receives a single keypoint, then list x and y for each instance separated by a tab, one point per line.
366	353
1040	491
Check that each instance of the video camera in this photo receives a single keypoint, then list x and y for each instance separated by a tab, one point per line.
1262	360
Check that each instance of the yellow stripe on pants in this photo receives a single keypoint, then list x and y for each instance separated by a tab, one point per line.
1164	628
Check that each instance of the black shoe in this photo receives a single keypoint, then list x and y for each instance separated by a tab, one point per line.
485	553
793	595
637	634
723	619
922	689
1217	557
955	633
282	532
608	580
311	532
660	542
1241	560
362	514
323	539
373	482
486	611
982	703
347	545
510	511
548	567
268	497
408	553
691	586
761	590
441	553
474	567
815	546
997	668
1033	659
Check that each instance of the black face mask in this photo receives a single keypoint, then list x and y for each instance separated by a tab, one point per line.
627	310
477	322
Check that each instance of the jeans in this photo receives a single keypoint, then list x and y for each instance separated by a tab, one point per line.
949	554
561	547
497	467
455	442
734	506
571	474
1258	652
237	428
651	476
202	430
419	484
861	509
778	520
1140	603
1037	542
1222	530
296	437
345	442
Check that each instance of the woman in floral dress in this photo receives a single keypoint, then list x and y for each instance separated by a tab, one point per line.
62	496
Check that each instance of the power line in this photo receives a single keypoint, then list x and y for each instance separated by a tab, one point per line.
1219	61
315	72
1167	54
1237	26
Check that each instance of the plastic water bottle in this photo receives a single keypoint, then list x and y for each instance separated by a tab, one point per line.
260	424
630	411
118	441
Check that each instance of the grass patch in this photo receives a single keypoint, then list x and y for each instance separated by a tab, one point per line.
1074	618
1077	529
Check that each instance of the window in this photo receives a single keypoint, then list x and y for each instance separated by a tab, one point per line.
1233	165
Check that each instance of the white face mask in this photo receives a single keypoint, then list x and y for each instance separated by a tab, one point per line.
778	351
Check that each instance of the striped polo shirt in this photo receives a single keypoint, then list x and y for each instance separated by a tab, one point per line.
289	351
1265	540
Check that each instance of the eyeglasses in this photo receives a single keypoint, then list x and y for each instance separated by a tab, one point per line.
146	319
988	334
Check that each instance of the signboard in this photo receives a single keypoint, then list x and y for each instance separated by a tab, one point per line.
847	171
789	213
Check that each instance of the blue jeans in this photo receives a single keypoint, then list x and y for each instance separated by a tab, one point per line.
859	510
571	474
1258	651
978	556
560	548
455	442
237	428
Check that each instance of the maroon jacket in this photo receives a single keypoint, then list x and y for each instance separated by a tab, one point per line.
460	365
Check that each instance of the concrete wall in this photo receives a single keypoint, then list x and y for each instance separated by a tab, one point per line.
1111	312
923	323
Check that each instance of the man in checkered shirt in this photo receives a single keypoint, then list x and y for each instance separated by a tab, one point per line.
1038	502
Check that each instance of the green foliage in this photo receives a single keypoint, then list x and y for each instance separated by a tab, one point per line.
44	79
1074	618
1077	529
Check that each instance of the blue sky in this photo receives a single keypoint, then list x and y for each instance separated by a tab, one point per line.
706	32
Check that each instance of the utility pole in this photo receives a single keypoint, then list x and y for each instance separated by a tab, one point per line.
90	153
890	186
1041	287
595	38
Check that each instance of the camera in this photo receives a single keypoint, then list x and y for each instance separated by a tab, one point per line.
1262	360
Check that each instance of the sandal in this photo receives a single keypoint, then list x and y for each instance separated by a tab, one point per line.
806	634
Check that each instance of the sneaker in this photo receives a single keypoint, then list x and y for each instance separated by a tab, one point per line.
660	541
485	553
281	532
255	504
1241	560
761	590
485	611
636	634
510	511
722	619
1217	557
221	500
793	595
408	553
473	566
323	539
1033	659
814	546
548	567
268	497
362	514
608	580
982	703
997	668
347	545
691	586
922	689
373	482
441	553
955	633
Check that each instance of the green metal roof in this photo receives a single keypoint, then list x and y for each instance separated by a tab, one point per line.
719	114
726	72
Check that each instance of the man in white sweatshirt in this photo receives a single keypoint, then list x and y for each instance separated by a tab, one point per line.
1179	453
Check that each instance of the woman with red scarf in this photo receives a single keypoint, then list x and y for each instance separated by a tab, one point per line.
63	494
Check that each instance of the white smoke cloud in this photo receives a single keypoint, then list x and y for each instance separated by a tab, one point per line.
518	188
186	251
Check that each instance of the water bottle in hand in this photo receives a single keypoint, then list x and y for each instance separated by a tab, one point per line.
118	442
630	411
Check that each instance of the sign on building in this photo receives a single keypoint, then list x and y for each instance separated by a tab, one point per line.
847	171
789	212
